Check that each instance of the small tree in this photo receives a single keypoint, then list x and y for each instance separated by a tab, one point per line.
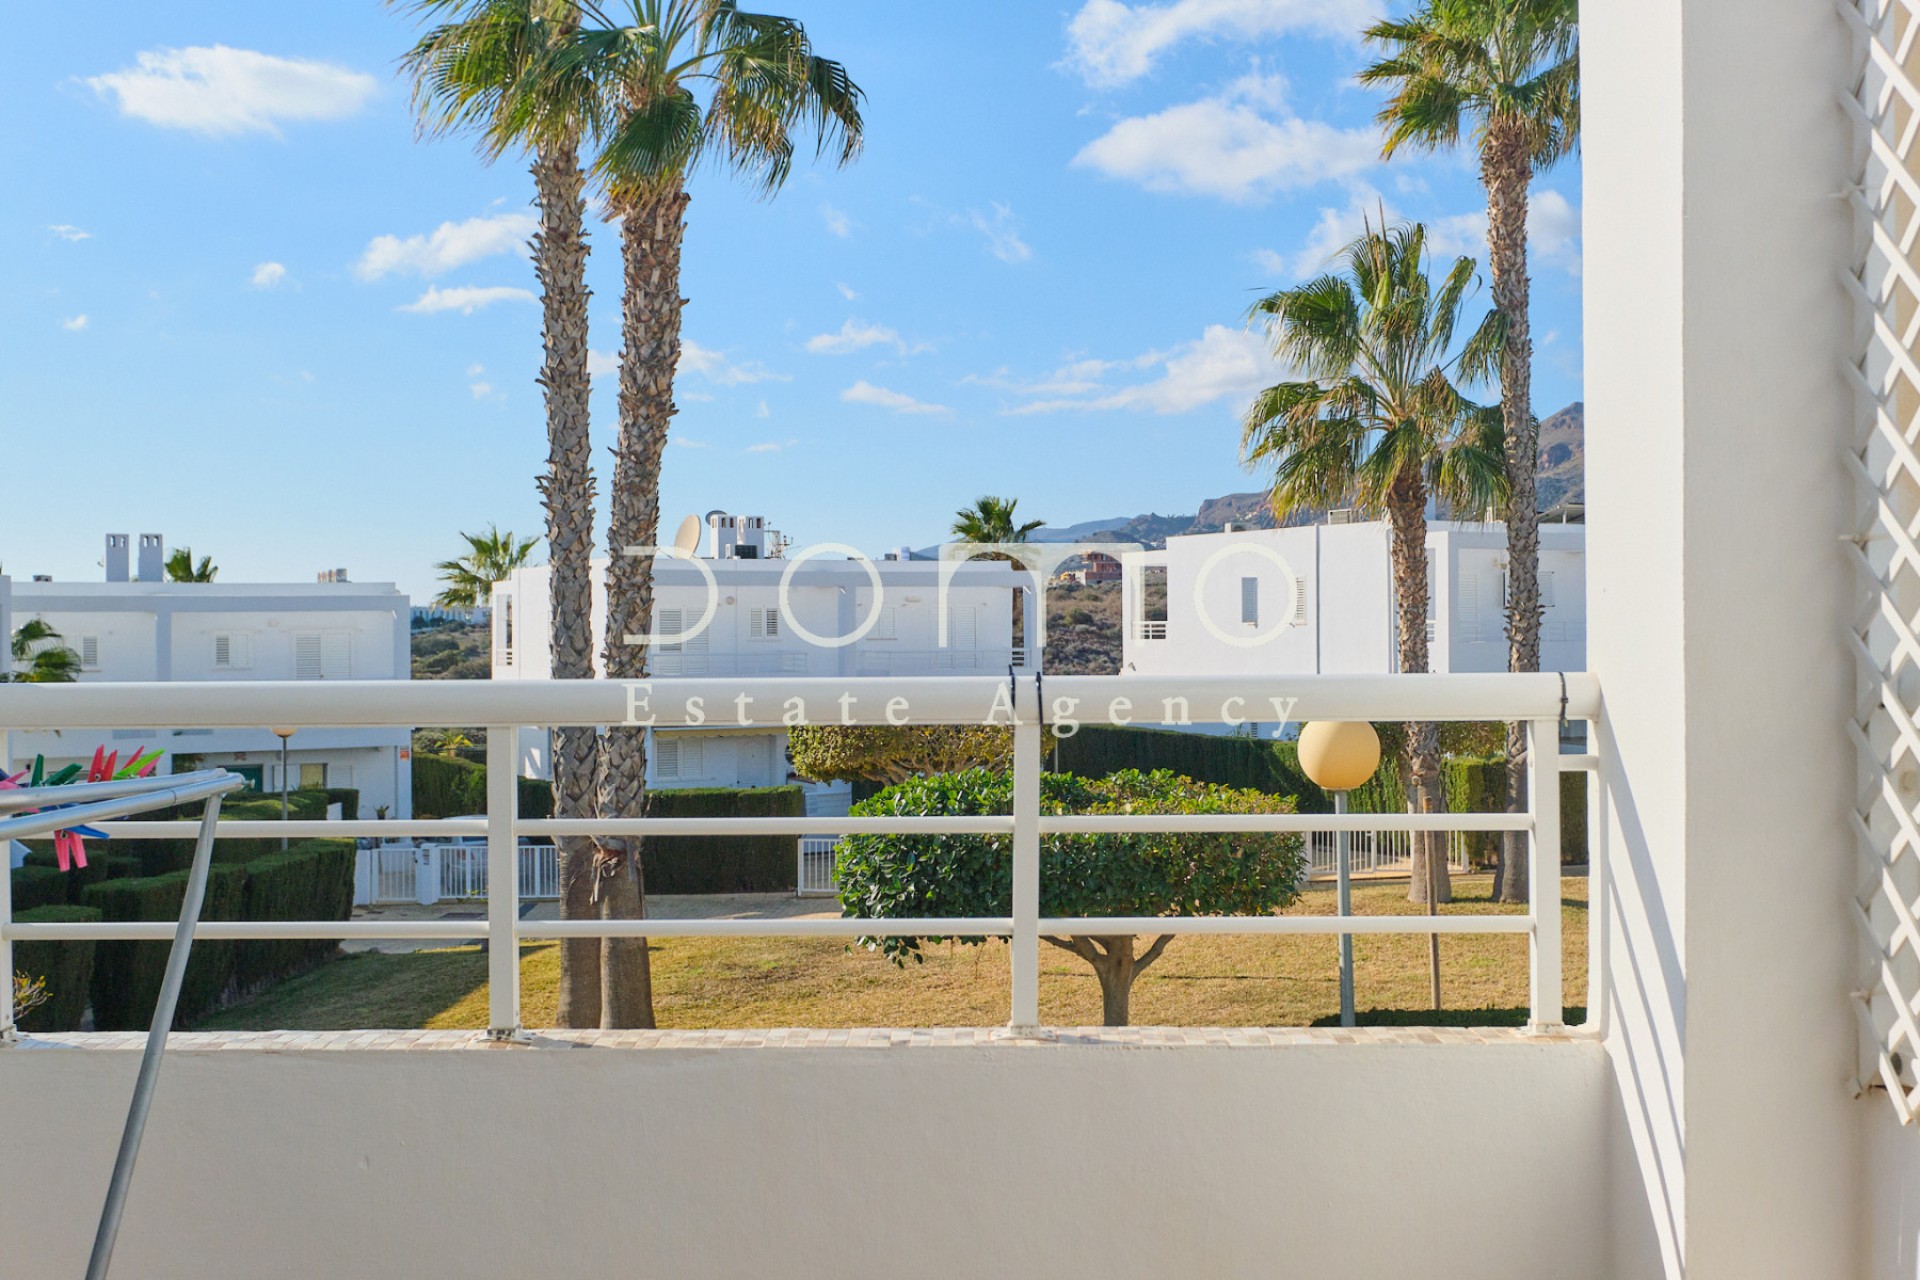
37	656
182	568
1150	874
490	557
886	754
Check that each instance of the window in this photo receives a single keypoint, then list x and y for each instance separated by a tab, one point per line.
313	777
686	657
322	655
676	758
1299	602
963	629
89	653
763	624
255	775
886	625
1466	607
232	651
1250	601
503	631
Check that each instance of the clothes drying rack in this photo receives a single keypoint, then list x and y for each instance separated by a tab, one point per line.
78	805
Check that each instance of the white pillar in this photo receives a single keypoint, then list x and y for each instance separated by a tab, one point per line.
1025	942
1714	152
503	882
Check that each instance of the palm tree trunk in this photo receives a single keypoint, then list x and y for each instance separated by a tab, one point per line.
1506	167
1407	511
567	489
650	236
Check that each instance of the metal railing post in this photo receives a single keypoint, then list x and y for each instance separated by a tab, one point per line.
6	912
1025	942
1543	873
503	883
1343	889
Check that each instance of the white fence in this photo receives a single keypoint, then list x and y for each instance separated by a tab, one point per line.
429	873
1376	852
816	866
1543	702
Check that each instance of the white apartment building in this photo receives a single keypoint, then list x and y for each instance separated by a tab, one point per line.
145	629
892	610
1319	600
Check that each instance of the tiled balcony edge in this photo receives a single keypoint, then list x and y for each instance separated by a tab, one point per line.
802	1038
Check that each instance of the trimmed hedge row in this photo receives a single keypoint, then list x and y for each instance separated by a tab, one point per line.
1474	784
446	787
65	967
312	880
722	864
1250	764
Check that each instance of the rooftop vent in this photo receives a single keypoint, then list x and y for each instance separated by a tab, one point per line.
119	561
153	557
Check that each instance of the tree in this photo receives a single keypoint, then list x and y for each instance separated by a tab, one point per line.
481	72
688	82
891	754
181	568
491	556
990	520
1378	424
1508	70
38	657
1080	875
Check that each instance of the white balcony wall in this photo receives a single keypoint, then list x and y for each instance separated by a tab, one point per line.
1715	153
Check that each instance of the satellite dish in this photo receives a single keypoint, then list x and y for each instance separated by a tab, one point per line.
688	539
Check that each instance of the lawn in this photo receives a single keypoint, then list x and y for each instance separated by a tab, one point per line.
789	982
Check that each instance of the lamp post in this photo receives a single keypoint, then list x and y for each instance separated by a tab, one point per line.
1339	755
285	735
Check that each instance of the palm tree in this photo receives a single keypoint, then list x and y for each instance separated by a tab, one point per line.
686	83
181	568
1509	70
490	557
1378	423
472	73
990	520
38	657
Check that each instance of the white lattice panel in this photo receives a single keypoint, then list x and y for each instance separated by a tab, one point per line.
1885	632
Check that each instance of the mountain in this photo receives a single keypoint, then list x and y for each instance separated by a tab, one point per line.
1563	458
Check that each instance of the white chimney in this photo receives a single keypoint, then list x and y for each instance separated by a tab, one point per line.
153	557
119	565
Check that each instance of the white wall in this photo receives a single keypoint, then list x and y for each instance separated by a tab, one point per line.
1715	329
1104	1163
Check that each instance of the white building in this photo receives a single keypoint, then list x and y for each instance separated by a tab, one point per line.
152	630
1319	600
897	630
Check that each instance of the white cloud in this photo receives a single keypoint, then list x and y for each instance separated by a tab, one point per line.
67	231
838	223
475	370
685	443
1221	364
715	367
268	274
846	290
771	446
1240	146
481	390
764	411
601	364
1553	234
218	90
864	392
465	299
449	245
74	324
1111	43
1002	231
858	335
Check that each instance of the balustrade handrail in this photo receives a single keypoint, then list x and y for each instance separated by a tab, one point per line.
1032	705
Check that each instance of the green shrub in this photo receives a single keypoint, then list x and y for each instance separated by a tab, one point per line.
1256	764
1478	784
36	886
723	864
1146	874
127	975
65	967
446	787
313	880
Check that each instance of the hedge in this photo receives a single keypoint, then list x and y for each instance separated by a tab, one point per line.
723	864
445	787
65	967
1479	785
1252	764
313	880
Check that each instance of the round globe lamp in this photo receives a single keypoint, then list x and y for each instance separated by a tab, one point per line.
1339	755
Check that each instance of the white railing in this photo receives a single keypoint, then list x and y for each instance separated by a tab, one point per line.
1541	701
1375	852
429	873
816	866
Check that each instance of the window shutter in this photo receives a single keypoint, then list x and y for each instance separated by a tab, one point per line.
963	630
223	651
763	624
306	657
1299	602
887	625
693	758
666	757
336	655
1250	601
90	652
1466	610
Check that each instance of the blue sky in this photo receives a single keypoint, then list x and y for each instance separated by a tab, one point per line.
245	308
